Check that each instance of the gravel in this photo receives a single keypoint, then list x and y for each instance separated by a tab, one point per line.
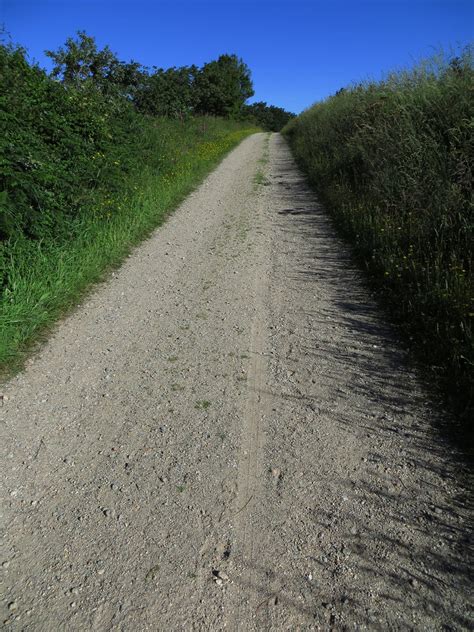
231	409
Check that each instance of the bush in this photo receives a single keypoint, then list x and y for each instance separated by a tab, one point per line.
392	161
58	148
83	177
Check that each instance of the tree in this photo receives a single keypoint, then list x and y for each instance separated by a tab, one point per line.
80	63
269	117
80	60
167	92
221	87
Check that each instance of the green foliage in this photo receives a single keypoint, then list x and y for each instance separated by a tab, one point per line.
393	163
268	117
219	88
57	149
167	92
79	63
83	177
31	179
222	87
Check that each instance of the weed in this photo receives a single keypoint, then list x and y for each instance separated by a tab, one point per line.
392	162
202	404
152	574
259	178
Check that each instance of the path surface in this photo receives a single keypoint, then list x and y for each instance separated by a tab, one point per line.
226	435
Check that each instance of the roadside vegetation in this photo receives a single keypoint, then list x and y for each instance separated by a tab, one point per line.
393	163
92	158
268	117
259	178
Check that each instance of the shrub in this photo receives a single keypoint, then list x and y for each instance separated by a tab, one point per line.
83	177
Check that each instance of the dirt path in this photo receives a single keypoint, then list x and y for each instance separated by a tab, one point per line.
226	435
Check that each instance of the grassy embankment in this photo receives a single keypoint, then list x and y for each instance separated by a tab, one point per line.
83	179
392	162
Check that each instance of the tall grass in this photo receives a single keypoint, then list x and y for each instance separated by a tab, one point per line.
43	278
393	161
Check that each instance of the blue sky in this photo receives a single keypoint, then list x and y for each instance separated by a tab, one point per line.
299	51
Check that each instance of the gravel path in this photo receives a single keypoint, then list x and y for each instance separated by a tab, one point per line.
227	435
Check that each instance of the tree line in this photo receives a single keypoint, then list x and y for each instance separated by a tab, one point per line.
218	88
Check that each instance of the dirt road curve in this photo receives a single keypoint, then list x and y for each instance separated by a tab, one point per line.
226	435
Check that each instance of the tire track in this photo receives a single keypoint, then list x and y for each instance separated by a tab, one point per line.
246	584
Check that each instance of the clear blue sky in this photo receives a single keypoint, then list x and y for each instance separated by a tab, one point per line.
299	51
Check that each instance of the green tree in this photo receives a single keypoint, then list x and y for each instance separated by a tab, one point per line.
167	92
80	63
80	60
269	117
221	87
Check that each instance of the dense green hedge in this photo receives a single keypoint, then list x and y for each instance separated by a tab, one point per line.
61	150
393	163
83	177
